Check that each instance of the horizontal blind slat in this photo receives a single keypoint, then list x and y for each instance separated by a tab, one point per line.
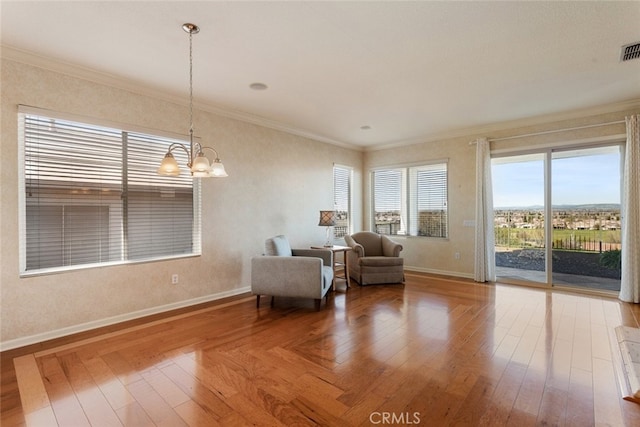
75	202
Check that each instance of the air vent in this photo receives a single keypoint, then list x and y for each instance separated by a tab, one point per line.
630	51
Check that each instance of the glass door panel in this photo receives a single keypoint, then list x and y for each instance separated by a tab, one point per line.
585	241
519	217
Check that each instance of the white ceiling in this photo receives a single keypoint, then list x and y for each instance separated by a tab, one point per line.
409	70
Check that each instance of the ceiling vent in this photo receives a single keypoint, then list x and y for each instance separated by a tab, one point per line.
630	51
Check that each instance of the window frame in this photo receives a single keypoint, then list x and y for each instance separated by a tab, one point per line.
125	130
336	191
408	205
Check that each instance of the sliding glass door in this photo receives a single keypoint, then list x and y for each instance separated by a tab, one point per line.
585	190
519	206
578	189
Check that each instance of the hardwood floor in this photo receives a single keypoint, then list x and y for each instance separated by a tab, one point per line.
436	351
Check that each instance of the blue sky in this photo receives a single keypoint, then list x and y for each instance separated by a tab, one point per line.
577	179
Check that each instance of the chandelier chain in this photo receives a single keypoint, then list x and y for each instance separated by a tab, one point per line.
191	84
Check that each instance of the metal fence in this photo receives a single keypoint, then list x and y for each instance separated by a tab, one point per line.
339	231
580	243
387	227
523	240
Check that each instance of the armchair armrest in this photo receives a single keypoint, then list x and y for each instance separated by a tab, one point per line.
356	247
390	248
325	254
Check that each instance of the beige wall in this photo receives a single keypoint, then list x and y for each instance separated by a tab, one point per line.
277	184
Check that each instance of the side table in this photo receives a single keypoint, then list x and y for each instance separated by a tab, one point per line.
336	264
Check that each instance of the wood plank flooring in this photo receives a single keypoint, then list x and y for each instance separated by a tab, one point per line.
435	351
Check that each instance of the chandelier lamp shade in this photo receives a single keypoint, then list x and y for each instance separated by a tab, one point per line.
197	162
328	219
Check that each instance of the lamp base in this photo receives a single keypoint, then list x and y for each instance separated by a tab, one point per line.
329	242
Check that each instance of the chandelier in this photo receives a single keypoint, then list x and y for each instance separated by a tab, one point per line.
197	162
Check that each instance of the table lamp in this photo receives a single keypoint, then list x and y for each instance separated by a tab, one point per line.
328	219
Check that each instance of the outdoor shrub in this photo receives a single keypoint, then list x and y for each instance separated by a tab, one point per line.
611	259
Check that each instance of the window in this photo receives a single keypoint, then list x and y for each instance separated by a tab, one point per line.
342	200
411	200
388	198
90	195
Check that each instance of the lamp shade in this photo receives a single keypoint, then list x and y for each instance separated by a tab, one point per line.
217	169
200	174
200	165
327	218
169	166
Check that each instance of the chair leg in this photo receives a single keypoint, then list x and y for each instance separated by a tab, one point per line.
257	301
272	300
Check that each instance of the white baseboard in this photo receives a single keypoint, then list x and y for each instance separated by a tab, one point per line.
70	330
441	272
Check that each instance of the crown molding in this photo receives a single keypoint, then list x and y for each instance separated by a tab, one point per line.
485	130
139	87
272	124
85	73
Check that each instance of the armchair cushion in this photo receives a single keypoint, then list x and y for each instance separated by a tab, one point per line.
277	246
370	242
380	261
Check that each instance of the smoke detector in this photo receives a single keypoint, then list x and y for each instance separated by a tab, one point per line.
630	51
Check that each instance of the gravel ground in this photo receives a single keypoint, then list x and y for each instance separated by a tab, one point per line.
571	262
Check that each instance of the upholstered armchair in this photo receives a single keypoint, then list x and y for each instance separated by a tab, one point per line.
374	259
286	272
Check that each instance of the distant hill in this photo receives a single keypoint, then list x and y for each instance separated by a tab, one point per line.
590	207
520	208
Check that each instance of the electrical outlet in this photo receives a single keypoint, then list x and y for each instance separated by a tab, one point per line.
174	279
456	255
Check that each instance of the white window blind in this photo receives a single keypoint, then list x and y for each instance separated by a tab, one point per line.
428	200
387	201
160	210
342	200
411	201
92	196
